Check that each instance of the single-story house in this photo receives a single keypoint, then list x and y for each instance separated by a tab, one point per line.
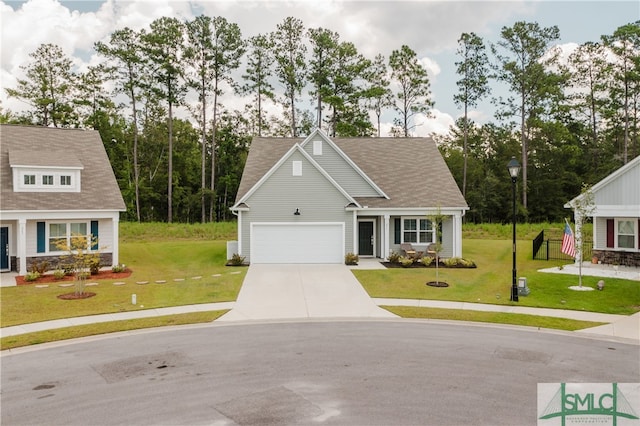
616	216
55	183
314	200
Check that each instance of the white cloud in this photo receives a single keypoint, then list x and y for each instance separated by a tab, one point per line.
431	66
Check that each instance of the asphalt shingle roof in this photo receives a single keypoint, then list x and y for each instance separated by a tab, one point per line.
45	146
410	171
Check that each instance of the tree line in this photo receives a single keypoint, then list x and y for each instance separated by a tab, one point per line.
570	120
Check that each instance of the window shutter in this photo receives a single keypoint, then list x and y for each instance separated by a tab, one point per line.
610	233
94	234
41	236
396	230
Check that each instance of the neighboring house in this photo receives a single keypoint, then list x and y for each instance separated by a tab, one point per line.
55	183
616	216
317	199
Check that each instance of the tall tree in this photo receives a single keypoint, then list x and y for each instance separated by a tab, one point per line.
414	94
377	93
259	63
324	44
163	46
48	85
91	100
625	44
473	85
588	78
524	65
124	54
290	66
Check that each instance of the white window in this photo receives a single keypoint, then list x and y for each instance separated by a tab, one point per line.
419	231
65	180
317	147
626	234
297	168
29	179
47	179
63	236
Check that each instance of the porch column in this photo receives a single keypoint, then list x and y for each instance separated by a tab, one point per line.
457	235
21	249
116	241
385	238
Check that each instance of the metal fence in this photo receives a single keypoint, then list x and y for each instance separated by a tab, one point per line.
550	248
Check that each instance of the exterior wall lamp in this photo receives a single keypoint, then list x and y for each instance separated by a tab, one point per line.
297	212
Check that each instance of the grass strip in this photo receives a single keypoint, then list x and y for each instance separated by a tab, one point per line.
491	317
65	333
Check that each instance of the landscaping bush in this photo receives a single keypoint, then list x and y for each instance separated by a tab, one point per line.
394	257
236	260
351	259
58	274
32	276
427	260
458	262
40	267
118	268
405	262
94	264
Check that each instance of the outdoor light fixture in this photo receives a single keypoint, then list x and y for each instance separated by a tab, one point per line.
514	169
297	212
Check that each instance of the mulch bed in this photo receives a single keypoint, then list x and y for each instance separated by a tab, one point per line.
421	265
49	278
73	296
437	284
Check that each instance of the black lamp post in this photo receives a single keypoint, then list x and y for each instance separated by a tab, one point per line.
514	169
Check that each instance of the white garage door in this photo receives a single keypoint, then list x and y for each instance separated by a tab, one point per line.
297	243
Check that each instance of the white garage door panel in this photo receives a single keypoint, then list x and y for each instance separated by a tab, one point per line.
297	243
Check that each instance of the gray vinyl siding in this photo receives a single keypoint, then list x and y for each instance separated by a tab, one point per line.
344	174
277	199
623	191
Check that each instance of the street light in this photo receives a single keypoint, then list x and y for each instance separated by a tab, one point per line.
514	169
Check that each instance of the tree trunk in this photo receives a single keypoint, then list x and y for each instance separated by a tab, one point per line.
170	172
212	204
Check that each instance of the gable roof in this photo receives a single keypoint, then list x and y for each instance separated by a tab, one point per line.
617	174
410	171
34	146
295	148
354	166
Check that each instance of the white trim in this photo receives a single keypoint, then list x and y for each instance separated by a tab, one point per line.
616	233
21	249
386	236
340	152
239	226
417	230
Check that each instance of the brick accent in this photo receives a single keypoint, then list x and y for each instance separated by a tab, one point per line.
625	258
106	259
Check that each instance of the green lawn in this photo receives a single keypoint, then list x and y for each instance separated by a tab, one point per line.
149	262
491	282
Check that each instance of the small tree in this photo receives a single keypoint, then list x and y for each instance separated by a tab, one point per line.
583	207
81	259
436	220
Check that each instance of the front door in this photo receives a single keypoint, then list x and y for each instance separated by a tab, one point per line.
4	248
365	238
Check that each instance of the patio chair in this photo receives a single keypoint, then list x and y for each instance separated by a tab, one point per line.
408	250
431	250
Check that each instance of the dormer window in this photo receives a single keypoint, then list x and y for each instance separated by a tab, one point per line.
47	172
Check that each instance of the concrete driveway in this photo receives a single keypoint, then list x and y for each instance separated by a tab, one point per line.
302	291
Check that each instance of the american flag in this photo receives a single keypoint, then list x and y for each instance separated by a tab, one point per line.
568	242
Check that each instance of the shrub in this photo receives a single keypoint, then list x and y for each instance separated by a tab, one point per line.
118	268
94	264
40	267
58	274
458	262
394	257
351	259
427	260
405	262
236	260
32	276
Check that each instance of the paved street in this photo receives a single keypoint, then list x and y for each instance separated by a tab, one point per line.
309	372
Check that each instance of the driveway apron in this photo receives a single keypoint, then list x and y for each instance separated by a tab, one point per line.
302	291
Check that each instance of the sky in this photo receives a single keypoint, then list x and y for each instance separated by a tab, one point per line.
430	28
